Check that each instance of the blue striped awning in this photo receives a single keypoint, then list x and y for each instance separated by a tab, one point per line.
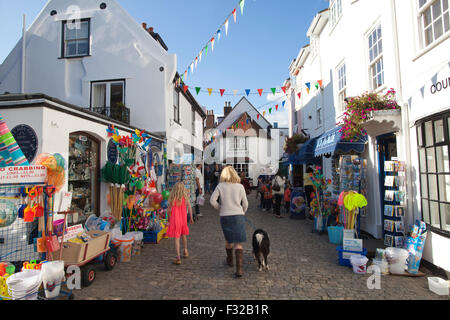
305	155
331	142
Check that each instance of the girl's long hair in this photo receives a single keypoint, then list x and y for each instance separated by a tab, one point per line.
178	193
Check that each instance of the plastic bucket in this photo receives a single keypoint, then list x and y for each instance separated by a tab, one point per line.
125	249
335	234
138	242
359	264
397	259
52	277
24	285
382	264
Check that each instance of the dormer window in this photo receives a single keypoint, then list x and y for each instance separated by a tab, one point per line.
76	38
336	11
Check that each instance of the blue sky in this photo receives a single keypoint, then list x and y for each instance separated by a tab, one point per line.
256	53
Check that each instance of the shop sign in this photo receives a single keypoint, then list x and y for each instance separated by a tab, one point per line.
72	232
328	140
112	152
27	140
24	174
440	85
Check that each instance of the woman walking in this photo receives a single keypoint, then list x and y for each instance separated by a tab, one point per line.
278	192
232	207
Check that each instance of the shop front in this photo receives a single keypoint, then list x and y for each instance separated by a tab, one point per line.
301	159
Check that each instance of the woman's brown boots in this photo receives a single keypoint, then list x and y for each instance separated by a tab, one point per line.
230	257
239	259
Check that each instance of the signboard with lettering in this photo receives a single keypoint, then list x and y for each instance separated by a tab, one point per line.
112	152
26	174
27	140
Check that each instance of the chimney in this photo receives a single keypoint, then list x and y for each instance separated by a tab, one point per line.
150	29
227	108
144	25
210	119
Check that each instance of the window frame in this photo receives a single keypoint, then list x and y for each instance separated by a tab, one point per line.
424	173
108	83
342	91
335	12
176	106
379	58
421	14
64	41
193	123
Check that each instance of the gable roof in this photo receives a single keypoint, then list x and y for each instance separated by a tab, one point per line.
251	111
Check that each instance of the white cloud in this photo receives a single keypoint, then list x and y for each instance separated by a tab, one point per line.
281	116
279	96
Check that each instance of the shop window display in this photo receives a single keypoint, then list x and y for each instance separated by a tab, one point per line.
83	175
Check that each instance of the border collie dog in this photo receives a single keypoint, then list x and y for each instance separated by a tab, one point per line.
261	248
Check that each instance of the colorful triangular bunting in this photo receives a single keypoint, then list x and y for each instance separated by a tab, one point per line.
197	89
260	91
222	91
247	91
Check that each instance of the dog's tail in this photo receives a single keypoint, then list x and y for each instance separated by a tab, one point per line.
259	238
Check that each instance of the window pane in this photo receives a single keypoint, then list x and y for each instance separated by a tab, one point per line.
436	7
445	5
83	31
99	95
419	135
424	186
116	94
445	216
428	36
432	187
439	131
437	26
71	31
425	211
434	214
428	134
446	22
442	159
421	3
444	188
431	162
71	48
83	47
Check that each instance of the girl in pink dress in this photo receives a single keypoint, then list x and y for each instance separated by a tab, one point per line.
178	227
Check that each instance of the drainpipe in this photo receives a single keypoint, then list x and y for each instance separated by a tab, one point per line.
24	34
405	116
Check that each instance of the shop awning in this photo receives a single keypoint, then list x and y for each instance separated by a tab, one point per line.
305	155
331	142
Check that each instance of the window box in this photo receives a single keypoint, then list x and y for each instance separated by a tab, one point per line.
383	121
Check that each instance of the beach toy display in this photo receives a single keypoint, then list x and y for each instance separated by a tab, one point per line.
359	263
397	259
52	278
24	285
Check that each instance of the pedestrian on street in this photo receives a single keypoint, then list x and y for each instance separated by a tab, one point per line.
278	192
245	183
287	197
267	191
260	192
208	176
232	207
178	201
216	176
199	185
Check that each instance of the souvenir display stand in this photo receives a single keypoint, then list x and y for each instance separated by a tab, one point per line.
394	204
185	173
349	173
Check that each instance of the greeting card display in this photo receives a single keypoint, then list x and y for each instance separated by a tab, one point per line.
394	203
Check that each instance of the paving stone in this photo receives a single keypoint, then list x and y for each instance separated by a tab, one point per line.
303	266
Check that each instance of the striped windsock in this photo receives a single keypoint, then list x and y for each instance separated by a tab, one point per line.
10	152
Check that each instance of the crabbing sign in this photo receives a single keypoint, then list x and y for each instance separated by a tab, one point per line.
25	174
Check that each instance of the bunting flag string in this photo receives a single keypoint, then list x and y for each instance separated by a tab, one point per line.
215	36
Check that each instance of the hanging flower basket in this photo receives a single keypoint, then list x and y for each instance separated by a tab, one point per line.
291	145
363	108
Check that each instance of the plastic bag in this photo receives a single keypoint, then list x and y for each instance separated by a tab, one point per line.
200	200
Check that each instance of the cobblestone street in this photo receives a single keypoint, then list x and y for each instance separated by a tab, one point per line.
303	266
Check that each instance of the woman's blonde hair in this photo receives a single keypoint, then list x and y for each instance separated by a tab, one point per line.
229	175
178	193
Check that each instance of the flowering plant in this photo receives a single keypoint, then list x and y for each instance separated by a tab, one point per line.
358	109
291	143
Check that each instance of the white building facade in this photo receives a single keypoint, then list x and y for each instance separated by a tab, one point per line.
246	140
372	46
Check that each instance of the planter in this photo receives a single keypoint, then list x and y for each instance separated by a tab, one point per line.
383	121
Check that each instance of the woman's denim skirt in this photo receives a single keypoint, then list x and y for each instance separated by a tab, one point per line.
233	228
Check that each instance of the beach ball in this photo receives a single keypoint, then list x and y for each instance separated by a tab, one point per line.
157	198
165	204
60	161
166	194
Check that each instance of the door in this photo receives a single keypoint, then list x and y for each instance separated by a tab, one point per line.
84	174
